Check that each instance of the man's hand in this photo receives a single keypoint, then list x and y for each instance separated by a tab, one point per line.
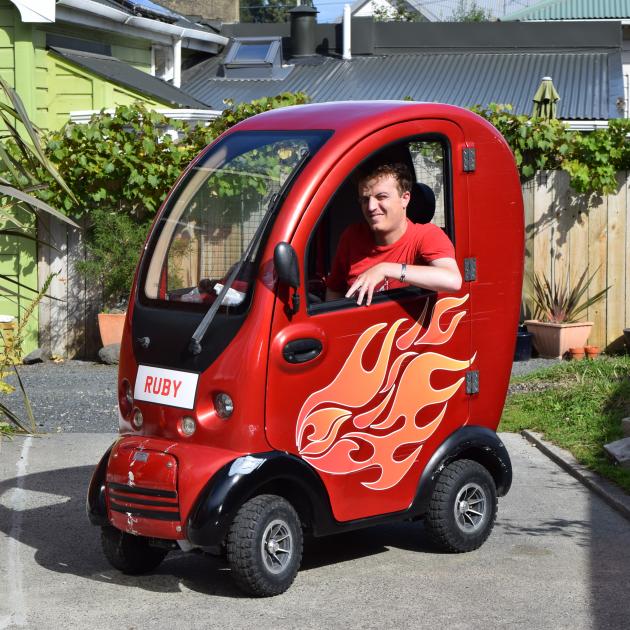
366	283
439	275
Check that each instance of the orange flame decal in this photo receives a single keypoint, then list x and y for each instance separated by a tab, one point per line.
330	433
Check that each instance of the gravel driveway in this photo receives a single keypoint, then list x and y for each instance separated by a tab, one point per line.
69	397
80	396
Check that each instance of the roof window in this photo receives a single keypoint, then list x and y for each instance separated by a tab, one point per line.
255	57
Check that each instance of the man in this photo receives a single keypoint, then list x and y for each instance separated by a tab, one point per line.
389	251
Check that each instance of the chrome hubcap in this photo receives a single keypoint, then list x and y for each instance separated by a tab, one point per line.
470	508
276	546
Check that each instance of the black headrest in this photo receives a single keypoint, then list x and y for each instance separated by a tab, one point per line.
421	206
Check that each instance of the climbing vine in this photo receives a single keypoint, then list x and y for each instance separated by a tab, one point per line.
592	159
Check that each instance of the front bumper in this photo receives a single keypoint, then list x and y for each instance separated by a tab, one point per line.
147	486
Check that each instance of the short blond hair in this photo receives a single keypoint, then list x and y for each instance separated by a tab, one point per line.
399	171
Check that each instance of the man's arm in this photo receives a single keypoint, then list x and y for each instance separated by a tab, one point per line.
441	274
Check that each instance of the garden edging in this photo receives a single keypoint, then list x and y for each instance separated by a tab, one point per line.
608	491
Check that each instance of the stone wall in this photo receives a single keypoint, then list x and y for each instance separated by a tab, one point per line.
221	10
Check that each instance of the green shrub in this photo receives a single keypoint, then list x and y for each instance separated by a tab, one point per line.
113	242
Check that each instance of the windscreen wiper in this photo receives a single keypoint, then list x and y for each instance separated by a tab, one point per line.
194	347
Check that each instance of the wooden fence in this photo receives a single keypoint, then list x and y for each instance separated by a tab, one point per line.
566	233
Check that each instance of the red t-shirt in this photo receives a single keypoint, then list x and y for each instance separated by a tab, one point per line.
419	245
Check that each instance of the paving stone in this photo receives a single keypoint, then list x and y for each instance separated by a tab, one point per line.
620	451
37	356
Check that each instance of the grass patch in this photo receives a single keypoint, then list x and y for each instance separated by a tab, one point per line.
578	406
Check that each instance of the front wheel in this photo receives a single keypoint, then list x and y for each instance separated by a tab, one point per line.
264	545
130	554
463	507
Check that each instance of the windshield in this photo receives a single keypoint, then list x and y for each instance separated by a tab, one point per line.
215	213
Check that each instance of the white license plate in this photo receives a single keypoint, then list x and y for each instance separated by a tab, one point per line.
167	387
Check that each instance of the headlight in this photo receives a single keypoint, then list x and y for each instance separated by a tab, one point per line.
188	425
136	419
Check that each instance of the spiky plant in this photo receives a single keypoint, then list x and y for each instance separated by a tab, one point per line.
559	302
21	156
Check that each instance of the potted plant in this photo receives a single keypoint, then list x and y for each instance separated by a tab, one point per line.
556	309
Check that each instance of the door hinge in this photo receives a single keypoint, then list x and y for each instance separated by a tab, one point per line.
472	382
470	159
470	269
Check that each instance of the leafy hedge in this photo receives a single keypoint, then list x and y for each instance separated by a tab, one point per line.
592	158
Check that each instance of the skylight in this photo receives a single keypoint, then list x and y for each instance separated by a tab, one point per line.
254	51
251	52
254	57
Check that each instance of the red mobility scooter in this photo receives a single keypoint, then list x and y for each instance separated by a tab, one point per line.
252	410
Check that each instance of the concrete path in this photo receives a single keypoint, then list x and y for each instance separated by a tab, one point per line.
558	558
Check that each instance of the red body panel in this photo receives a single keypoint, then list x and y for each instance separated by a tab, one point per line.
271	396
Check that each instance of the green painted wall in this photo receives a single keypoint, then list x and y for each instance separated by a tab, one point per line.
50	88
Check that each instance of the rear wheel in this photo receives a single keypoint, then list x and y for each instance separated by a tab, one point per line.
264	545
463	507
128	553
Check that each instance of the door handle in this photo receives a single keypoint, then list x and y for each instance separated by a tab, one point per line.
301	350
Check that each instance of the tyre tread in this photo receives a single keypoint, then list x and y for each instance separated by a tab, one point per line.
242	552
439	518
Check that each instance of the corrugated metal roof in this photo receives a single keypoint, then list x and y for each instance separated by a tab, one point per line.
122	73
589	83
574	10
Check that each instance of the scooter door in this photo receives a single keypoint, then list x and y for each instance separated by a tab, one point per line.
365	394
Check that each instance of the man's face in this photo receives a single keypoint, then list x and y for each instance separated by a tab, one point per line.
382	204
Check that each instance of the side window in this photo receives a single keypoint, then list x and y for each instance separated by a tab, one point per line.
428	157
426	160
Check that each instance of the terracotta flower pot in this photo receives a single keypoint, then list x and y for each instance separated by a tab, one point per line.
552	341
592	352
577	354
110	326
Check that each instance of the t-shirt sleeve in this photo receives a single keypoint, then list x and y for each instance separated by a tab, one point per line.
433	244
338	278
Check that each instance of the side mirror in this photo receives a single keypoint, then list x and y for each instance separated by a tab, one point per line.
286	264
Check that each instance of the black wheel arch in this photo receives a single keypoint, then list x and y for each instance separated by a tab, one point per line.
274	472
476	443
95	505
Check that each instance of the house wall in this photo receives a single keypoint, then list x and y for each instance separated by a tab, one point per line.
222	10
567	234
18	256
625	60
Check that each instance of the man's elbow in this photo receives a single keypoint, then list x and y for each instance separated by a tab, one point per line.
457	282
452	282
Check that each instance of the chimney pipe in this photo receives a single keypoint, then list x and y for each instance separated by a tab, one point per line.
303	23
347	34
